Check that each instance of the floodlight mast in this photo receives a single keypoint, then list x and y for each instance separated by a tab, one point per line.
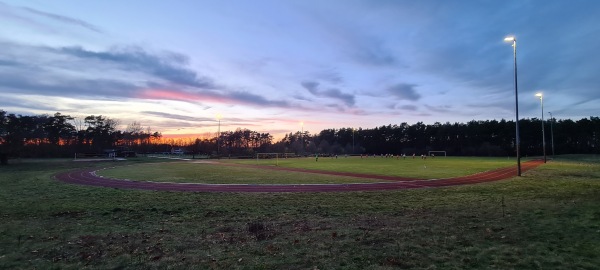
219	116
353	141
517	139
552	132
541	96
302	134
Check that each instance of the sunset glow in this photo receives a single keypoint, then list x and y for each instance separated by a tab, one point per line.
286	66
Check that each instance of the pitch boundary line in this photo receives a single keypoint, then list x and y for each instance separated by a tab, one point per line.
88	177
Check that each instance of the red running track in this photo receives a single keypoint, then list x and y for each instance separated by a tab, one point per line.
89	177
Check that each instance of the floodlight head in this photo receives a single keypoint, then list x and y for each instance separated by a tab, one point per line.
219	116
510	39
540	95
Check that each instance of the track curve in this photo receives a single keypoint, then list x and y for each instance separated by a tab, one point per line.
90	178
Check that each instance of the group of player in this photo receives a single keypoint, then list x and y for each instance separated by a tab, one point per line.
403	156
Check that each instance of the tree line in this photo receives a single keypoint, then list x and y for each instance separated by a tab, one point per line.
474	138
61	135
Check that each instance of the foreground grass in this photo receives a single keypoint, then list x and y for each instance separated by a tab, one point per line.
549	218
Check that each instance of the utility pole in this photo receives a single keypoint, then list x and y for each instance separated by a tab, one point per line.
552	133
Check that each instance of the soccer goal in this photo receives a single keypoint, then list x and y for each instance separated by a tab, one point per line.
269	156
437	153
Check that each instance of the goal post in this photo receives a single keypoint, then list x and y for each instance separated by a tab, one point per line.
269	156
436	153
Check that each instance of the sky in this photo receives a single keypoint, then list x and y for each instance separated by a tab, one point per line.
298	65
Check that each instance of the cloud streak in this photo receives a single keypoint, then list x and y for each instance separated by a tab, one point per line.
163	71
404	91
73	87
373	52
334	93
64	19
168	66
178	116
243	98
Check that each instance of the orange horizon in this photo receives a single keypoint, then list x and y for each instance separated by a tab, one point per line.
185	136
194	136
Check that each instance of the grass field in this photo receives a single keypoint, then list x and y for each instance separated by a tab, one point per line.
190	172
439	167
201	172
547	219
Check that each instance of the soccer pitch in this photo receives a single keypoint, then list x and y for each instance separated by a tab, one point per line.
429	168
229	171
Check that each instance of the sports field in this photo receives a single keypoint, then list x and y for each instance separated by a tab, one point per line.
235	176
548	218
308	170
429	168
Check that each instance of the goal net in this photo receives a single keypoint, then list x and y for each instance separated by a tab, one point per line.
269	158
437	153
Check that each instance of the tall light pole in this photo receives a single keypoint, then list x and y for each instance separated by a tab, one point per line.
541	96
302	134
552	132
218	132
353	141
517	139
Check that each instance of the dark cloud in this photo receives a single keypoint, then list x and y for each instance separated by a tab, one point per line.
439	109
372	52
225	96
168	66
313	88
404	91
585	108
64	19
330	75
253	99
10	63
167	72
337	94
303	98
408	107
178	116
68	87
23	104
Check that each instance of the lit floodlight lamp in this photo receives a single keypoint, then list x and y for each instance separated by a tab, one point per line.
517	139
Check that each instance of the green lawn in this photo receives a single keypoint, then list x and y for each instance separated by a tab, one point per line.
547	219
190	172
202	172
438	167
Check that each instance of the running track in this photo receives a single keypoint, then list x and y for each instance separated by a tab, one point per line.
88	177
